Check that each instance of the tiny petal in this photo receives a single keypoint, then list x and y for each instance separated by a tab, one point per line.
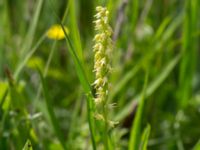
99	117
113	123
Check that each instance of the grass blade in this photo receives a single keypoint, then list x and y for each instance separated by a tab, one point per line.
83	80
189	50
28	145
27	57
5	29
75	32
51	113
32	28
197	146
86	86
135	135
145	137
159	43
151	88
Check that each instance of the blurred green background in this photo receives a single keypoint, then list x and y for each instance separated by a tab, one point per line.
160	37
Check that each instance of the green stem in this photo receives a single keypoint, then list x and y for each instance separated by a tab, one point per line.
45	71
28	56
106	137
83	79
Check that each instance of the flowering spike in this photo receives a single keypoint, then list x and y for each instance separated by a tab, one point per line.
102	49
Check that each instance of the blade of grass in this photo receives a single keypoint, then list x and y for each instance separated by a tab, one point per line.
164	74
86	87
175	23
50	57
197	146
53	119
83	80
151	88
5	31
12	105
32	28
133	12
75	31
135	134
27	57
3	98
162	27
46	69
189	50
145	11
159	44
145	137
28	145
21	66
73	122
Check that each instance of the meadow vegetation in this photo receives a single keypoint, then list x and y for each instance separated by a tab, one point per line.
99	75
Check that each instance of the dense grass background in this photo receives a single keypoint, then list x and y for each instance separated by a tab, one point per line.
45	85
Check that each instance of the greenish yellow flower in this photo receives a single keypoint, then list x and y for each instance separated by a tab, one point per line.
102	48
56	32
103	51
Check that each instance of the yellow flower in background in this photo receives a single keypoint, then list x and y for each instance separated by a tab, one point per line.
56	32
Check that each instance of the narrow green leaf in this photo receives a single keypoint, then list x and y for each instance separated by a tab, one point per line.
197	146
75	31
159	43
86	86
83	80
5	29
189	50
28	56
153	86
49	107
133	12
162	27
135	135
145	137
28	145
32	28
